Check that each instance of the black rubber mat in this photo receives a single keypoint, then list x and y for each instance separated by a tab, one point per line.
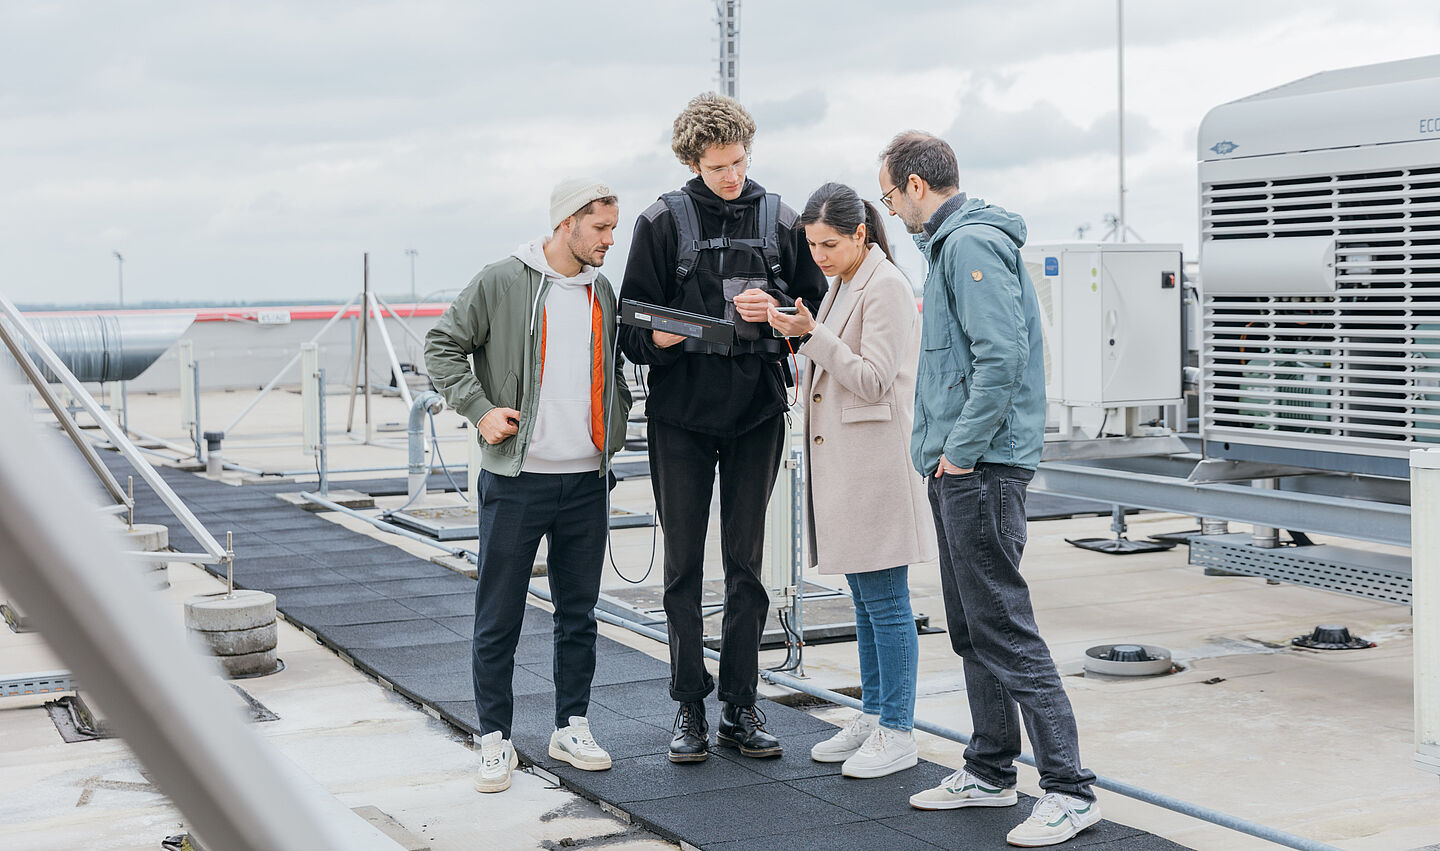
408	621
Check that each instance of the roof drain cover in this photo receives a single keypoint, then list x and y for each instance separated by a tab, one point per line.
1331	637
1128	660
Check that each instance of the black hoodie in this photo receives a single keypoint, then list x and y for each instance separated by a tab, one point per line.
714	394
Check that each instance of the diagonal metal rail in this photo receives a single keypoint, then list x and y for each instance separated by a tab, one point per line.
214	553
63	416
168	703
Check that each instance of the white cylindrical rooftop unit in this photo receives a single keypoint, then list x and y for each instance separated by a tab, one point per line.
1320	270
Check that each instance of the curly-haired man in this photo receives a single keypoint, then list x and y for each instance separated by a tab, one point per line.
720	246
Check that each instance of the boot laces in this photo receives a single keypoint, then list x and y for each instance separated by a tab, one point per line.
688	721
753	714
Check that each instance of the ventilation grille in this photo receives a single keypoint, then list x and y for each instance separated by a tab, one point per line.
1360	366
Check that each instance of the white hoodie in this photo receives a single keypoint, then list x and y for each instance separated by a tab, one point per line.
560	440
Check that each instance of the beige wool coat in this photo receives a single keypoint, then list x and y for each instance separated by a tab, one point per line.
865	504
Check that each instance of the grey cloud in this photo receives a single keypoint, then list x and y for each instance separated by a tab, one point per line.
254	149
793	113
985	137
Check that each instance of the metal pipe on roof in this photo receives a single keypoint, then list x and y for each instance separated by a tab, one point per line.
107	347
428	402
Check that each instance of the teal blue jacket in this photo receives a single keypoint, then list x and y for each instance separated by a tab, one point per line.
980	386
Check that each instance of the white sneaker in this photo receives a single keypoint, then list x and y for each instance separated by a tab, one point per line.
1056	818
497	760
962	789
575	745
845	743
885	752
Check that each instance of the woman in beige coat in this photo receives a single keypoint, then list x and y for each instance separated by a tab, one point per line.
867	510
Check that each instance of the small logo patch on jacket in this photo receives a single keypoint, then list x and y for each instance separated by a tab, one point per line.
976	275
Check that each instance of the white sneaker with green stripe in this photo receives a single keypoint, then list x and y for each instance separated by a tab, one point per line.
961	789
574	744
1055	819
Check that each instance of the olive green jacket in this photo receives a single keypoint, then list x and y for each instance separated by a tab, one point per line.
496	319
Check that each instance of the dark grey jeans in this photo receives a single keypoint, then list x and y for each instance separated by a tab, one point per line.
568	510
980	521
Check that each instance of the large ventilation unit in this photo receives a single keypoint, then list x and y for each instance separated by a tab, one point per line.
1320	270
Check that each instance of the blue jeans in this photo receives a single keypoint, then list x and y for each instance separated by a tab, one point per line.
980	521
889	648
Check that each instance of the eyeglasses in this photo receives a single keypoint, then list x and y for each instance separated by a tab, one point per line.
885	199
738	168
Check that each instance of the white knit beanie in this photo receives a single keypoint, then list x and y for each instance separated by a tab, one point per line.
570	195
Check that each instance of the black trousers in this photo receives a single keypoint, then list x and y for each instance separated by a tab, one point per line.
568	510
682	472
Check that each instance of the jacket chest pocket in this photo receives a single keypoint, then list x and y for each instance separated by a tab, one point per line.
935	328
936	315
866	414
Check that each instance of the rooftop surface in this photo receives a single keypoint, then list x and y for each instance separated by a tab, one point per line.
1250	726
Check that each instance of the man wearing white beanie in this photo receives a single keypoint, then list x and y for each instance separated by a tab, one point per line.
549	403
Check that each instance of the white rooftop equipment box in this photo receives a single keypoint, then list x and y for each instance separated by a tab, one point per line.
1111	316
1320	270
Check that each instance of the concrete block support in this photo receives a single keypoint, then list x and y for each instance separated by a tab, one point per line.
146	538
238	628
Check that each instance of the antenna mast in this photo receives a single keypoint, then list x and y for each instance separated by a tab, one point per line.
729	19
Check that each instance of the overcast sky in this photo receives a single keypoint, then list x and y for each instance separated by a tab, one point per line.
253	151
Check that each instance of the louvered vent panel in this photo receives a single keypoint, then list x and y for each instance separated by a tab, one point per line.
1360	367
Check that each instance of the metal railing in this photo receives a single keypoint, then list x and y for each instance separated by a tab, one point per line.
214	553
168	704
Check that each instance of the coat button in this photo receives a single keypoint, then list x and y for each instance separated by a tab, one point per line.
815	398
819	440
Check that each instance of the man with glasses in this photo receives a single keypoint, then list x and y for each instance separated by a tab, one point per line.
720	246
978	432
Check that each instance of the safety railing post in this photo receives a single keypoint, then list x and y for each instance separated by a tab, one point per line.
322	444
1425	602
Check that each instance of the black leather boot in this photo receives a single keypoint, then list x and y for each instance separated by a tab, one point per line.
692	734
743	727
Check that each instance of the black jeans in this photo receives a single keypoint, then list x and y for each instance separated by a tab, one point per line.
568	510
980	521
682	472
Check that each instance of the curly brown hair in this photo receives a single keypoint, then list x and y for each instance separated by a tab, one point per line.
707	121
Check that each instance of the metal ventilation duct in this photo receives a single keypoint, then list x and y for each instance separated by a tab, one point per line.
108	347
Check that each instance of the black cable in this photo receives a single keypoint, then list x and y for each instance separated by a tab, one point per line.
655	523
435	442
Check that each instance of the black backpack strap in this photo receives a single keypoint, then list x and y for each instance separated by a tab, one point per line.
689	244
687	231
770	232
